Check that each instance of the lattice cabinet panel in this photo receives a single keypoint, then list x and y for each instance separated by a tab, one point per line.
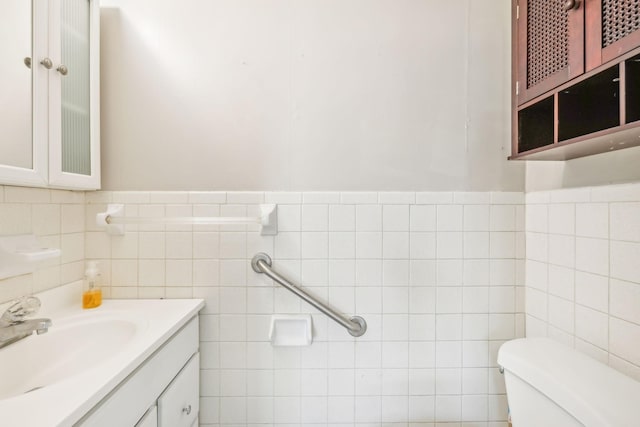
550	45
620	18
576	78
547	40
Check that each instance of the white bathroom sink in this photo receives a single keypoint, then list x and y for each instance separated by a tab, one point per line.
72	345
57	378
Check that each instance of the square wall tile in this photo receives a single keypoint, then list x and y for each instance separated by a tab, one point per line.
342	218
536	218
624	261
592	220
368	245
562	250
502	245
314	245
422	218
537	246
449	245
624	340
502	218
624	300
592	291
342	245
395	218
592	255
395	245
592	326
448	408
625	221
287	245
562	219
315	218
449	217
561	314
367	409
369	218
476	244
476	272
561	281
232	245
476	217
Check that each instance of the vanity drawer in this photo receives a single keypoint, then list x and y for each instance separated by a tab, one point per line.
178	405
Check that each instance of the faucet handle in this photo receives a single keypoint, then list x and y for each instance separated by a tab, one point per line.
21	308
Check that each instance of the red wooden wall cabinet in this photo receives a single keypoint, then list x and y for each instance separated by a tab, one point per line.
574	77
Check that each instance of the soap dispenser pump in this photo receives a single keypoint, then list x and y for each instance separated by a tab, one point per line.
92	296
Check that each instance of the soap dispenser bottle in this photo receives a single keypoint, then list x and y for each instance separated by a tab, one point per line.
92	296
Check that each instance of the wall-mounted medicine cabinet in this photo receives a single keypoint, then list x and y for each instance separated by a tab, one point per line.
576	75
49	111
598	112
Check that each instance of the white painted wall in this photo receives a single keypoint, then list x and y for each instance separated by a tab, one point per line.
601	169
306	95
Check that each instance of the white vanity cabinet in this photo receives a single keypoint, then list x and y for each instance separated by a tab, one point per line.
162	392
49	114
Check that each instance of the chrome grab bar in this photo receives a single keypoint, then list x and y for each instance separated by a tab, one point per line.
355	325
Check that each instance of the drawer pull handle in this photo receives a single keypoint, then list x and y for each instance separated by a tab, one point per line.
187	410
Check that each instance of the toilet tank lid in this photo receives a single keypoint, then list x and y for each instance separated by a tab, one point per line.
592	392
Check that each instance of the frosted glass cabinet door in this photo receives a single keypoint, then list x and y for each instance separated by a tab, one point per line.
23	86
75	109
74	127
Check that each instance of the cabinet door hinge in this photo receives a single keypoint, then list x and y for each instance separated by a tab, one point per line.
518	88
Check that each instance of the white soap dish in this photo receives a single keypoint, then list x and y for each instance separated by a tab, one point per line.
20	254
291	330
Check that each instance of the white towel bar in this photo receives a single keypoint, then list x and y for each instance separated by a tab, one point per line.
113	220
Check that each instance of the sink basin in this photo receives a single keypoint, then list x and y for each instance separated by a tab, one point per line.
71	346
57	378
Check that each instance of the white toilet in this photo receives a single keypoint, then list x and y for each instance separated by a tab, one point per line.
550	384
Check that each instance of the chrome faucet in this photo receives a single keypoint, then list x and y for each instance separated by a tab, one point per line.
13	323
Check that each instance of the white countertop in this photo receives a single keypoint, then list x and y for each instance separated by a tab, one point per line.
65	402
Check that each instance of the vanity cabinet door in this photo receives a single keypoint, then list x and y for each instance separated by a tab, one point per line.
150	419
178	405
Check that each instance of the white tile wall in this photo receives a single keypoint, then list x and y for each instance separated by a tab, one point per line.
434	274
583	271
56	217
